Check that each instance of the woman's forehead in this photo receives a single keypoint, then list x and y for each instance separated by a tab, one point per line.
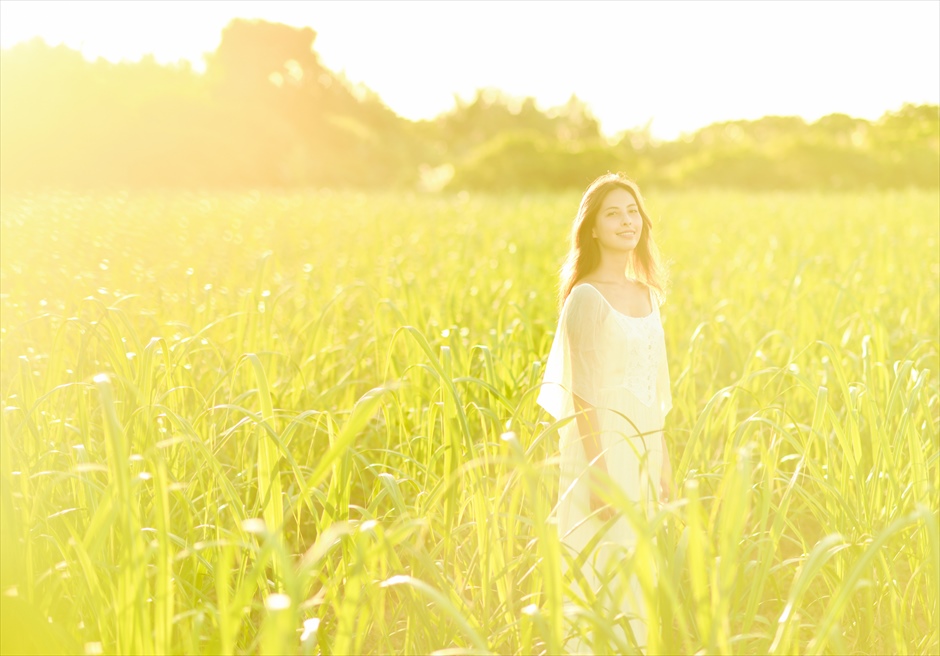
618	197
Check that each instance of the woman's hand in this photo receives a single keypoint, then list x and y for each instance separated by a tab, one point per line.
665	481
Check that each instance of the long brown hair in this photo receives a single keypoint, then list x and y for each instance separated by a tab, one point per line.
584	254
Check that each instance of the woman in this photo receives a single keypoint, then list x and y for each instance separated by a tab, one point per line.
607	366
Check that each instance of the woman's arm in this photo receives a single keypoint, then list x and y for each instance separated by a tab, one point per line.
588	427
582	321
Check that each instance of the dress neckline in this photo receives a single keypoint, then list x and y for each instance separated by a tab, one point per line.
628	316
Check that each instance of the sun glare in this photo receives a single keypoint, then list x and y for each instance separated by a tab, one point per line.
285	369
689	64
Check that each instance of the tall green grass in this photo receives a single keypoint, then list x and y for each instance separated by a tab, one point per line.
306	423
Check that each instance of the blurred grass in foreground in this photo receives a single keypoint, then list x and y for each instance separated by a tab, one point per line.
283	423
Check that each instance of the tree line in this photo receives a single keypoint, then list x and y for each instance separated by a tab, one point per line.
267	113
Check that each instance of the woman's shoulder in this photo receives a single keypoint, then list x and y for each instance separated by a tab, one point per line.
585	297
584	292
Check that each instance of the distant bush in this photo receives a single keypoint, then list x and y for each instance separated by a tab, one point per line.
836	152
527	161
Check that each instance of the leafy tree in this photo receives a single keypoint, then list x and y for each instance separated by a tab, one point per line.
268	113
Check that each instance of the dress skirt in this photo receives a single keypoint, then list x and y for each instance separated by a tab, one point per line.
634	462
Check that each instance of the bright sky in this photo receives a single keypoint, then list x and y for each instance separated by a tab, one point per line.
682	64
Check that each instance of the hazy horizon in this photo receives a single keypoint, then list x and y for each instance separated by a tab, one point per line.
713	62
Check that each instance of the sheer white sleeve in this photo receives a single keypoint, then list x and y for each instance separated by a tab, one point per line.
573	366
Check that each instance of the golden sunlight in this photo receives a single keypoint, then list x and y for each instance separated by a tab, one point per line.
687	64
450	328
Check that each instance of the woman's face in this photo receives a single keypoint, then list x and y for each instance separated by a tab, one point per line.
619	225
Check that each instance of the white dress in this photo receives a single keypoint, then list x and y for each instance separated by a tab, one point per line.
616	363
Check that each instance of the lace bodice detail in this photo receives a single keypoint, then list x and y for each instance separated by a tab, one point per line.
640	355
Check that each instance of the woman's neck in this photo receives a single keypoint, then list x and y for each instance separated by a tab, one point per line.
612	267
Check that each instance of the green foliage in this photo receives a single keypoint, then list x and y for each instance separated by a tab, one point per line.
306	423
836	152
525	161
267	113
